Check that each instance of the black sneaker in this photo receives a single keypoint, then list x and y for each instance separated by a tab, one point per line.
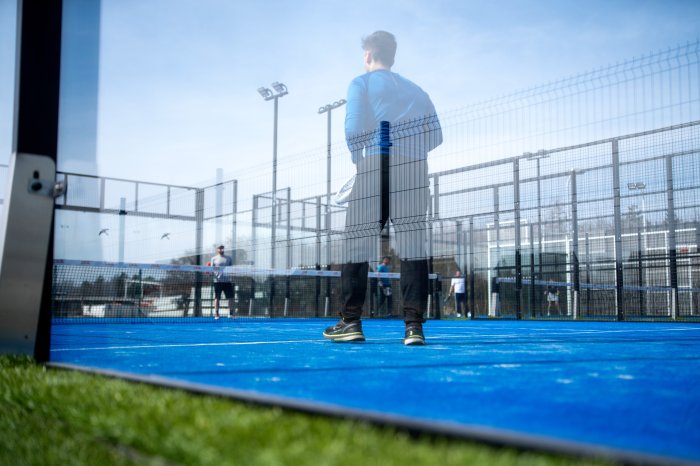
345	331
414	335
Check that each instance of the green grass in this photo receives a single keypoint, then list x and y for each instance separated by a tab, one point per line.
56	417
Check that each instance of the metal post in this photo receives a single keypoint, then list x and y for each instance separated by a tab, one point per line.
273	229
328	109
472	284
27	218
459	253
122	227
234	221
539	219
219	202
318	255
697	255
495	294
619	298
640	186
267	94
287	292
588	273
532	273
516	226
574	235
640	271
384	149
253	236
541	154
671	222
199	240
465	272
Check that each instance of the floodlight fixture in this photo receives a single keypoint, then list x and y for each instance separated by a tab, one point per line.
280	88
638	185
334	105
265	93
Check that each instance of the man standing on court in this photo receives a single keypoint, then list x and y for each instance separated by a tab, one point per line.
458	289
383	98
222	282
552	294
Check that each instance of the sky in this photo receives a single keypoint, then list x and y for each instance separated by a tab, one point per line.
166	90
178	79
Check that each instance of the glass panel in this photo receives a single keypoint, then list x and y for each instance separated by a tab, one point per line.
8	39
187	125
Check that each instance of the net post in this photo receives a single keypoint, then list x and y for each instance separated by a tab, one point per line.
433	289
384	151
252	297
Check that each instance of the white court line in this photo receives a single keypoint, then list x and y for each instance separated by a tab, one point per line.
542	330
185	345
192	345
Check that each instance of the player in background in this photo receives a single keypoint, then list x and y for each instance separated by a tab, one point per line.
222	281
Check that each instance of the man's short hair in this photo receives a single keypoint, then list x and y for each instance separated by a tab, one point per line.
382	44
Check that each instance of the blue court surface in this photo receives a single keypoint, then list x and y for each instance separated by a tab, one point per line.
620	387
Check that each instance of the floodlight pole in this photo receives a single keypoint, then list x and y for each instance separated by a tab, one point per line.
267	94
541	154
328	109
640	186
642	244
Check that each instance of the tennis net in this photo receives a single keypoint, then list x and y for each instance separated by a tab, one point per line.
103	291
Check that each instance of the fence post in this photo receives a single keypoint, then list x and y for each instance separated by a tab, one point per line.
253	233
575	262
287	291
619	298
640	269
494	298
318	255
518	256
532	272
472	284
234	221
199	247
588	273
671	222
